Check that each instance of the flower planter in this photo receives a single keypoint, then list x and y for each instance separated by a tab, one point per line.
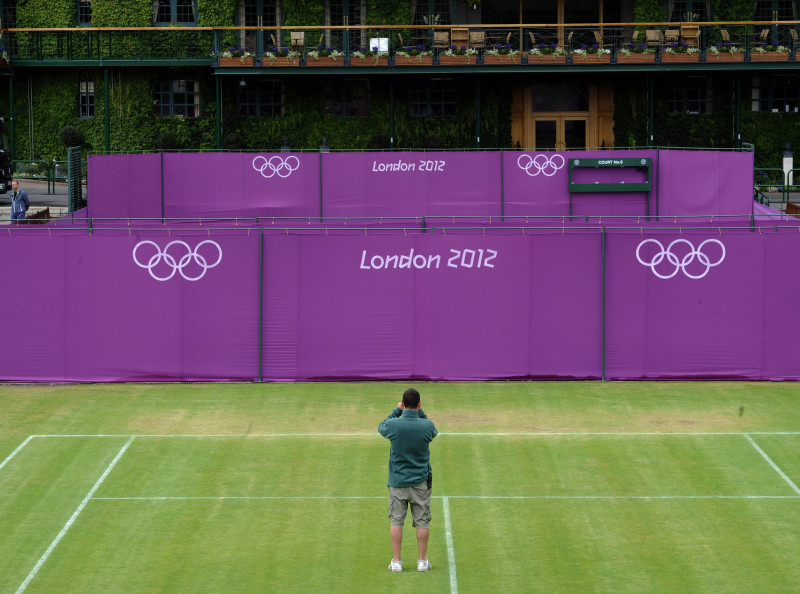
669	57
457	60
324	62
501	59
769	57
725	57
413	60
280	62
546	59
229	62
370	61
591	58
637	58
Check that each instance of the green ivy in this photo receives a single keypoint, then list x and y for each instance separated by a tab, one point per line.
113	13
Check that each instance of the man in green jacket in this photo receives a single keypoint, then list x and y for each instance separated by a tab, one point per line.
410	476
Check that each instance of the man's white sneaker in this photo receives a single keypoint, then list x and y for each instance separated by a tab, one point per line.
424	565
396	566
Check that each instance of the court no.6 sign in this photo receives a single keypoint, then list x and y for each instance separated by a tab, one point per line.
466	258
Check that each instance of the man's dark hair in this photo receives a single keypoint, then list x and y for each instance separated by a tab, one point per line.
411	398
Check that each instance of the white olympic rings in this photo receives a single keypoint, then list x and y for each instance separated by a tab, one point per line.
276	165
680	264
179	264
543	164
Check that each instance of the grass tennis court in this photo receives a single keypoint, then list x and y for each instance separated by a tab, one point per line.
538	487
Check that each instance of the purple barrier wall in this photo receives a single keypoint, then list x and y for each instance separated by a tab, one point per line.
241	185
83	310
184	305
124	186
412	184
432	306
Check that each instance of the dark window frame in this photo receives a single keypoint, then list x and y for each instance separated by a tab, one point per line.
776	93
171	98
86	99
261	98
346	98
433	97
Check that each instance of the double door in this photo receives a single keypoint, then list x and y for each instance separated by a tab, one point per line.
560	132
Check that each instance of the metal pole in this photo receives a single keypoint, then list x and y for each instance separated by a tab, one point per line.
391	113
478	109
260	304
163	218
11	117
603	299
107	115
218	111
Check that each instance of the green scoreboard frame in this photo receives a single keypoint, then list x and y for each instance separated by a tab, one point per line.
640	163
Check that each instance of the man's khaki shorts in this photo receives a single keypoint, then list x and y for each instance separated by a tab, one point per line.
418	497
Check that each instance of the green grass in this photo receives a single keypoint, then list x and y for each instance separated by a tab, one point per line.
538	487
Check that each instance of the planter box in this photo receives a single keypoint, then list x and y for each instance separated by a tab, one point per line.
725	57
669	57
591	58
546	59
501	59
457	60
769	57
229	62
413	61
280	62
324	62
649	58
370	61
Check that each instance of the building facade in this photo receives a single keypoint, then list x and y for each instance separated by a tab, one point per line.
143	75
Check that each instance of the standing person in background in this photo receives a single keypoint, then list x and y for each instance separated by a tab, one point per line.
410	476
20	203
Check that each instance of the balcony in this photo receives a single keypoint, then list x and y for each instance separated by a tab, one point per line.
632	46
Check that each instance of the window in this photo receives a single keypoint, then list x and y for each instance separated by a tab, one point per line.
433	97
689	94
560	97
177	98
84	12
347	98
259	13
261	98
175	12
345	12
776	93
86	99
689	10
775	10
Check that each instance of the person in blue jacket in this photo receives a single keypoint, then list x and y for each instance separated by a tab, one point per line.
20	203
410	477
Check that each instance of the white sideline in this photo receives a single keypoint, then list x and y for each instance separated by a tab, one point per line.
15	452
771	463
451	556
442	433
72	519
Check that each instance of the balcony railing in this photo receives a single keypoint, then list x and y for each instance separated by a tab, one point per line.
202	45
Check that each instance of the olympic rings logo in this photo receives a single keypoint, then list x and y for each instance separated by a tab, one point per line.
681	263
276	165
174	264
541	163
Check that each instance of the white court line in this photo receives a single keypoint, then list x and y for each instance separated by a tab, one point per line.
771	463
72	519
441	433
443	497
15	452
451	556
